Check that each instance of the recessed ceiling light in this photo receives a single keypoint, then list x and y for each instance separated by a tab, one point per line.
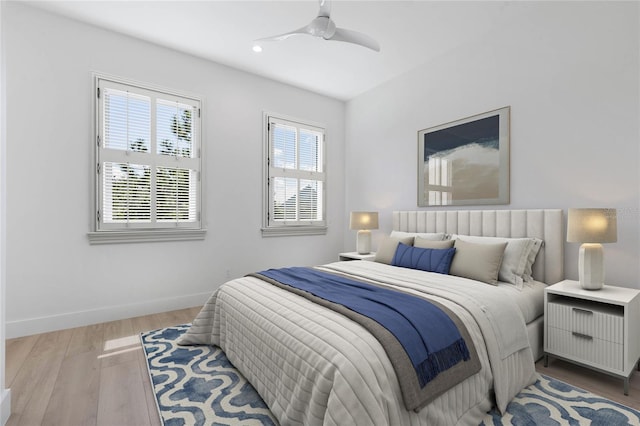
257	48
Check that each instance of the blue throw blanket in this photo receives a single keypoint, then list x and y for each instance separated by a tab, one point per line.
427	334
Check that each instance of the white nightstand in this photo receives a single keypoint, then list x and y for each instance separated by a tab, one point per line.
354	255
597	329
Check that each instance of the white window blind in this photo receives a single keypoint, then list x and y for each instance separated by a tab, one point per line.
148	165
296	176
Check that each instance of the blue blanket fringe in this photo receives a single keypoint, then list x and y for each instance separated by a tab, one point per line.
442	360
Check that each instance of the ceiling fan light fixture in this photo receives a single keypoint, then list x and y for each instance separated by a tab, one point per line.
323	27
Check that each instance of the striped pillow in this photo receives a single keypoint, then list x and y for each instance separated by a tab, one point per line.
425	259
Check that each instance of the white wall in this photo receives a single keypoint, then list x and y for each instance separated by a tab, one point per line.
55	279
570	72
5	394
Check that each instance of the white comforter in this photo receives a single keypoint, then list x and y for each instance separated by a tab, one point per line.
314	366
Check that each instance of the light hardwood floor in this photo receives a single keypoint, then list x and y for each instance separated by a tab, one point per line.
94	375
97	375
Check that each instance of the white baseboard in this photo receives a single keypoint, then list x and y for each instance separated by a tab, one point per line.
30	326
5	406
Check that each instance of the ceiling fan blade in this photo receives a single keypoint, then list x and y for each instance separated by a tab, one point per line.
355	37
325	8
306	30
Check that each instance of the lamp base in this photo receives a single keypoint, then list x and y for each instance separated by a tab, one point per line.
591	266
363	242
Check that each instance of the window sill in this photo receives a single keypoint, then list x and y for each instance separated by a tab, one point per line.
289	231
144	236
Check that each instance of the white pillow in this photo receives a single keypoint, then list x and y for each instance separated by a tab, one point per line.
535	249
515	259
433	236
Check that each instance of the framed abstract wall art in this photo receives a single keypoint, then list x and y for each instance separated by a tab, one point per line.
465	162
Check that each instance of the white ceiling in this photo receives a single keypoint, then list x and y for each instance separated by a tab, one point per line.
410	33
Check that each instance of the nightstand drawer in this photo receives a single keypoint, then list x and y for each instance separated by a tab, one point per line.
584	347
591	319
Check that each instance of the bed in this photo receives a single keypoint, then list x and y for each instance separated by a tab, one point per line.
313	365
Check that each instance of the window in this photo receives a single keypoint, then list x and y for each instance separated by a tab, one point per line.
295	178
148	165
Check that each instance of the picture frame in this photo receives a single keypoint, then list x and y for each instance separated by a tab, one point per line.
465	162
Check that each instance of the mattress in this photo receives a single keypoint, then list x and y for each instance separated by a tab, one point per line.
313	366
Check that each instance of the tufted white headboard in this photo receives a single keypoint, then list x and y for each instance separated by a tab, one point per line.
544	224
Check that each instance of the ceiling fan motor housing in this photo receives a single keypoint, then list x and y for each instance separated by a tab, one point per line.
323	27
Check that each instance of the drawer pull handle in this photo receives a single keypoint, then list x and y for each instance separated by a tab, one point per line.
582	311
582	336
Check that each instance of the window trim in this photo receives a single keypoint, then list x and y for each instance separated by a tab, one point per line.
137	235
284	230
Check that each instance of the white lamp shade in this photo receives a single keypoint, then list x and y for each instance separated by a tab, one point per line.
592	226
363	220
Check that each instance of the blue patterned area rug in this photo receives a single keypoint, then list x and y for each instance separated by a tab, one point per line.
197	385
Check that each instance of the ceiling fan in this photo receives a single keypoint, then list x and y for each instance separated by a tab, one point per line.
323	26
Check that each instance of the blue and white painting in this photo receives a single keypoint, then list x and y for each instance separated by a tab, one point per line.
465	162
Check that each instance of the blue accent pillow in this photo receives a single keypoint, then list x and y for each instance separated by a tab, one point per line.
430	260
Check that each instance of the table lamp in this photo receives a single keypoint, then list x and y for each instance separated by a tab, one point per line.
363	222
591	227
